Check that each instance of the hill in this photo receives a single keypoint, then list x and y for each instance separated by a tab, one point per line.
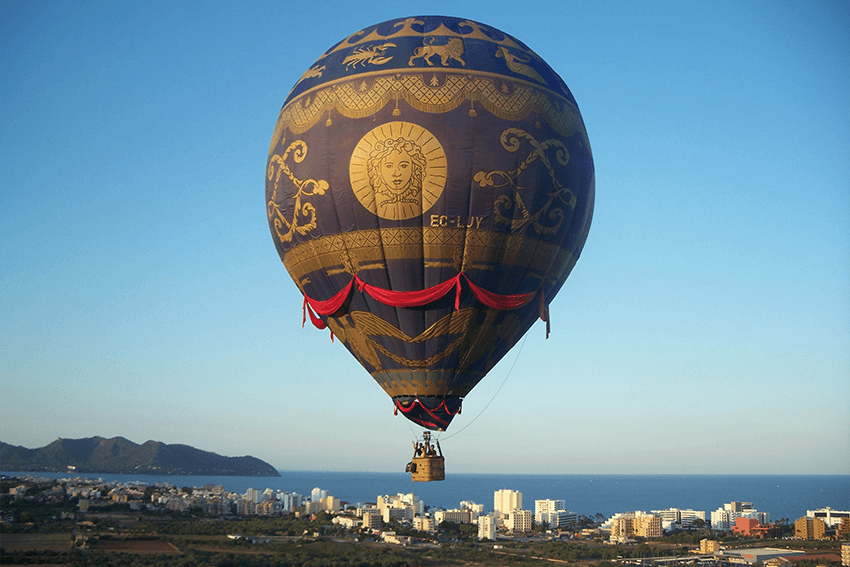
120	456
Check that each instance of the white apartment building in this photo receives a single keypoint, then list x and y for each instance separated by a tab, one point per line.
317	494
289	500
739	506
556	519
364	509
476	509
487	527
553	514
371	518
400	507
505	501
253	495
679	516
457	516
330	504
424	524
671	518
723	519
399	500
830	517
411	500
399	513
541	506
518	521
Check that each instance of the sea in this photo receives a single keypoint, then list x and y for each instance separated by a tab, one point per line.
783	496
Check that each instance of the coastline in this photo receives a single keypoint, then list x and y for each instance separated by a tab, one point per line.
782	496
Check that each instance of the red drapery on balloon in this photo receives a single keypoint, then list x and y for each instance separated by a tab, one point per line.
433	412
411	298
315	307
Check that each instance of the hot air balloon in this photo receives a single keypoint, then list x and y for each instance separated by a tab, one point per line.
429	188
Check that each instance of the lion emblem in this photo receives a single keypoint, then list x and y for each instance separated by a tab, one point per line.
452	50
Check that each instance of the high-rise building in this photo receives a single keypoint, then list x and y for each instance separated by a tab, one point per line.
372	518
313	507
739	506
486	527
541	506
721	520
330	504
518	520
622	527
289	501
411	500
809	528
505	501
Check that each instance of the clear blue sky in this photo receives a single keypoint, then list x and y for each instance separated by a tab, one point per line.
705	329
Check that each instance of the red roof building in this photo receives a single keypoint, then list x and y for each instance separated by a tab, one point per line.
753	528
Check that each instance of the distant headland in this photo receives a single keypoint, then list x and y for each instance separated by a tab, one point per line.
120	456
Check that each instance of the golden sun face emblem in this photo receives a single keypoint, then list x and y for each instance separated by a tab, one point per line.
398	170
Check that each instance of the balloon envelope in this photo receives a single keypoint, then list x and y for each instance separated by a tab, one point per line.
429	189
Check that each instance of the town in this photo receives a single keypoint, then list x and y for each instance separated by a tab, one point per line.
93	516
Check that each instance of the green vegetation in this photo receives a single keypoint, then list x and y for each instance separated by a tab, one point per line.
120	456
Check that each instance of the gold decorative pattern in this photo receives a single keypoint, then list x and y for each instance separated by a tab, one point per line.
371	55
478	341
356	328
398	170
424	382
358	99
481	338
306	187
498	178
438	245
447	52
518	64
405	29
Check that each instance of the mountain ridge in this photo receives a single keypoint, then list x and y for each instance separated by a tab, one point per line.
122	456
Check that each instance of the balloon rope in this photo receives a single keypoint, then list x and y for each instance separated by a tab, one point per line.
412	432
510	370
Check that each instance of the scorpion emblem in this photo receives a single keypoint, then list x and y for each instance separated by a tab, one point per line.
363	55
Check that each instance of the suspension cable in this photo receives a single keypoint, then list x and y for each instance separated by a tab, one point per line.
510	370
